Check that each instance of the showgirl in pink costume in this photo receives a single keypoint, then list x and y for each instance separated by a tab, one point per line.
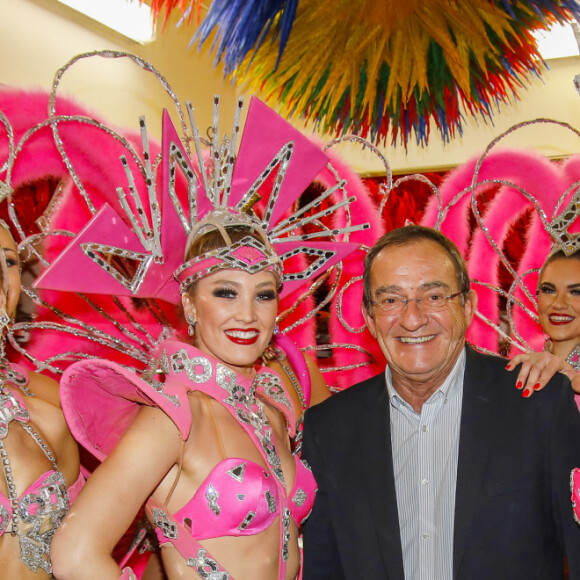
206	435
40	461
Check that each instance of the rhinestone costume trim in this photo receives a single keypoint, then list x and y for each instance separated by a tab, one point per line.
42	511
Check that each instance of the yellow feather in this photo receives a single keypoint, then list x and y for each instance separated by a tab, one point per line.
341	35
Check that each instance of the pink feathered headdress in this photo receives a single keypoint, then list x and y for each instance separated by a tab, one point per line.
269	145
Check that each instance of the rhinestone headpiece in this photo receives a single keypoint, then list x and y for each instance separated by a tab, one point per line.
558	227
251	254
221	191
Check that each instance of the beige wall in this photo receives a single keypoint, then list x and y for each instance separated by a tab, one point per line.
36	39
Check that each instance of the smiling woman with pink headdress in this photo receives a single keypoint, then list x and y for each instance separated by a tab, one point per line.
559	315
203	437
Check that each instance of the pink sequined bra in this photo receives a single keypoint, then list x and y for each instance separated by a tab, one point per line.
41	507
575	488
43	498
240	498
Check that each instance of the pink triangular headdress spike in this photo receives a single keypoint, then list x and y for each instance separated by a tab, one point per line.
266	132
210	192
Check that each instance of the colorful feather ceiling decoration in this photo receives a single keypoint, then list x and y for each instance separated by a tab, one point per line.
387	70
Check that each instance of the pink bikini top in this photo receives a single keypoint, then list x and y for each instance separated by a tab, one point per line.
46	501
41	499
240	498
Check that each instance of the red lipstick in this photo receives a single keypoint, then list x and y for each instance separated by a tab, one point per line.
243	336
560	319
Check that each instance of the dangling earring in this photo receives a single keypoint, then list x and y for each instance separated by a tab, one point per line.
4	322
191	328
276	329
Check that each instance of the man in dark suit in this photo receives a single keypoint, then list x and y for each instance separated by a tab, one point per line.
437	469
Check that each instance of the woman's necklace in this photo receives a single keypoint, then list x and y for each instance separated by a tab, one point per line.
573	359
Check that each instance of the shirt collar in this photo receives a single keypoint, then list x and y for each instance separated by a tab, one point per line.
451	386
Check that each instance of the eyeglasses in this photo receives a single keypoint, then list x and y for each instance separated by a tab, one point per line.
427	302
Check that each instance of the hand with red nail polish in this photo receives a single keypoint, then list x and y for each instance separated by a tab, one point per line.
536	369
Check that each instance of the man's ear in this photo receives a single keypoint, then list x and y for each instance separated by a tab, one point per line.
188	307
470	306
369	321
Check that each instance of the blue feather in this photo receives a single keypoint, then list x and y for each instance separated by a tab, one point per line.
242	27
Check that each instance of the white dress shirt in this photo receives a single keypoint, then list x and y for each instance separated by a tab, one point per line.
425	454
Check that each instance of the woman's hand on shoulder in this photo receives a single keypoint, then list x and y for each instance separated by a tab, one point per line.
538	368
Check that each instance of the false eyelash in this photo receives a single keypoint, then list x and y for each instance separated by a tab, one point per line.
269	295
224	293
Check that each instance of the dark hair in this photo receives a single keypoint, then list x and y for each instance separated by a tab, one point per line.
557	255
409	235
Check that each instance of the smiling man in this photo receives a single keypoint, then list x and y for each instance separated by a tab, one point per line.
436	469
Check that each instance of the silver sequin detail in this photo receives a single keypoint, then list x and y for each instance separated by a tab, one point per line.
10	410
4	319
271	500
99	254
272	386
251	411
558	227
247	520
4	519
206	567
160	519
285	534
237	472
299	497
212	496
44	511
198	369
573	359
10	375
160	388
226	378
234	257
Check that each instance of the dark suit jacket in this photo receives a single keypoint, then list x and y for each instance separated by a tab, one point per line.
513	516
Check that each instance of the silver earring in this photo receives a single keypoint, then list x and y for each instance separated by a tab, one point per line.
191	328
276	329
5	320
